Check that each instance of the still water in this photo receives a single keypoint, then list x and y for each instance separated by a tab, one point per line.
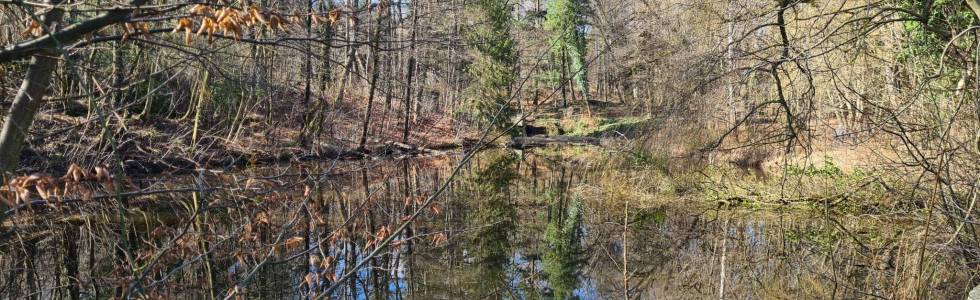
510	226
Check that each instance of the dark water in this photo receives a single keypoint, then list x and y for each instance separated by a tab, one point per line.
510	226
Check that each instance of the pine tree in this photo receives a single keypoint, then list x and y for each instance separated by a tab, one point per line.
493	67
566	22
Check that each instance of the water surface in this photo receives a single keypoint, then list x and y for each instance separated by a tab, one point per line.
511	225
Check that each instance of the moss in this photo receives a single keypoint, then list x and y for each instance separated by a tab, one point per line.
622	125
584	126
592	126
646	216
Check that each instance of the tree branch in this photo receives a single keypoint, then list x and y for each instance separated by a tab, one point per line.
67	35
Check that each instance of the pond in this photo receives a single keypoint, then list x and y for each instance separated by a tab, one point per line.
510	225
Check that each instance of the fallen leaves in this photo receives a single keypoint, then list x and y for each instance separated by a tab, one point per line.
20	190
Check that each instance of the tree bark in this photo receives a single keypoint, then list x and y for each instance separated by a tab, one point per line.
308	73
29	98
373	83
410	76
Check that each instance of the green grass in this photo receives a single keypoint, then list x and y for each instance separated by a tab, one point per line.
601	126
591	126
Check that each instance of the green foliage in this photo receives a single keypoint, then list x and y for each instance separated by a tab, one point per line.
494	60
923	39
494	215
566	22
225	97
602	126
562	257
822	239
926	41
645	217
827	169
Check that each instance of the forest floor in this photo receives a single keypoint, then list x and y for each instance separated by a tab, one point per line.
178	141
167	143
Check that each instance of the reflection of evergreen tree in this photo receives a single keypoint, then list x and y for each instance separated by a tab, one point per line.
493	219
562	257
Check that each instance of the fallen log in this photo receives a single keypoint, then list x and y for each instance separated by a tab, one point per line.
525	142
392	148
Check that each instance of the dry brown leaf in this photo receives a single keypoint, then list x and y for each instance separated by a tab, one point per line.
75	173
294	242
187	35
261	217
143	27
102	174
258	15
327	263
334	16
200	10
438	239
33	29
182	24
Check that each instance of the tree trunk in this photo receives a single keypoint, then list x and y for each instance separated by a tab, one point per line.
28	100
373	83
411	73
308	73
730	59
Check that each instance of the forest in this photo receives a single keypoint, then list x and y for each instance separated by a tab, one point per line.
489	149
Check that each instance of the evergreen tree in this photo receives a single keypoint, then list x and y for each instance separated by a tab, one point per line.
566	22
492	48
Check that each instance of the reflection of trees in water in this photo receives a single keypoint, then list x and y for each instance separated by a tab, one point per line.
509	235
790	257
562	254
493	221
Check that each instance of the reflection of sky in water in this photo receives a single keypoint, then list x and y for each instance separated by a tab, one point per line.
515	276
746	240
587	290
